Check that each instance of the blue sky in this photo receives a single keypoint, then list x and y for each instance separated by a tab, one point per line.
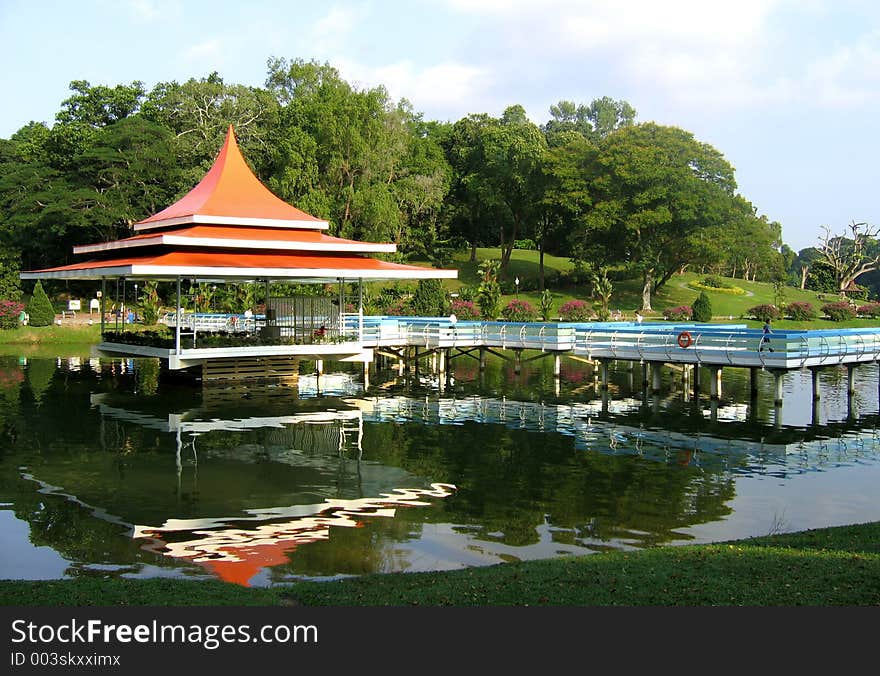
787	90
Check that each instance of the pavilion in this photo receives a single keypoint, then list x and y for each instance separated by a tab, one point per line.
230	228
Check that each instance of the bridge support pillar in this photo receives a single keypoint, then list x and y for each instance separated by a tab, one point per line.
814	377
441	363
603	374
715	384
753	383
850	380
482	359
557	365
319	366
366	375
656	376
517	361
686	381
777	387
698	371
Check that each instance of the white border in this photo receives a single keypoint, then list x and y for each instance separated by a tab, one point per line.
232	220
178	240
173	272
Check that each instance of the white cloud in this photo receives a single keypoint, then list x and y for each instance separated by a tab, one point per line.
444	88
691	51
208	53
849	77
149	11
330	31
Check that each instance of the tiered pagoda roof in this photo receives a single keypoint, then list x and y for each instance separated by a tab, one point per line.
230	226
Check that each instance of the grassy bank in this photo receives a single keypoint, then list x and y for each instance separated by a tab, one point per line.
824	567
67	334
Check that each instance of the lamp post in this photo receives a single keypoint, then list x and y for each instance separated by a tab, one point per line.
516	283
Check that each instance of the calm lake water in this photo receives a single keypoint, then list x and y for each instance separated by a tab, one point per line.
107	471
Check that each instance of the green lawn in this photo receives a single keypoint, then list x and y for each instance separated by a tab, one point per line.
627	294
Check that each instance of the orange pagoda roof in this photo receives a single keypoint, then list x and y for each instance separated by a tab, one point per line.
230	194
241	265
230	226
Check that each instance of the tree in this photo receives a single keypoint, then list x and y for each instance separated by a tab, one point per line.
354	157
513	151
471	199
849	257
566	168
40	307
100	106
198	114
607	115
656	192
489	290
702	308
429	299
602	289
593	122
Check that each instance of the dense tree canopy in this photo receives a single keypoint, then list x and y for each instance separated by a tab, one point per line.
591	183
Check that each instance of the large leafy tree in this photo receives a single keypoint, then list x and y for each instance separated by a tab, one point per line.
656	190
567	168
513	153
354	157
99	105
471	200
198	113
594	121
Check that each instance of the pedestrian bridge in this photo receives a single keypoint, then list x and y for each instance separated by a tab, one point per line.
692	346
679	343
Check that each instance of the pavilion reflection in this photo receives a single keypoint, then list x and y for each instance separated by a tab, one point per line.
252	485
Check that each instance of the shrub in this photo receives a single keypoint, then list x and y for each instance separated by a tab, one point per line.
839	311
10	310
489	291
40	308
429	299
465	309
870	310
801	311
715	282
575	311
764	312
729	289
678	313
546	304
702	308
398	308
150	303
518	311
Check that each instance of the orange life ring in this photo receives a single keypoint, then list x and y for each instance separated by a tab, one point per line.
685	339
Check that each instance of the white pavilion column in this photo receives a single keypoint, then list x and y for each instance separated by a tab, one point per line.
177	314
360	309
103	310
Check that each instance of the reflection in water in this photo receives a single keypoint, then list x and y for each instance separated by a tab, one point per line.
114	470
237	548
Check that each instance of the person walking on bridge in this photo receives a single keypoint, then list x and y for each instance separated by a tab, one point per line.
765	339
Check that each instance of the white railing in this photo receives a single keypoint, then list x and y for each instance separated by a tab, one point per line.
673	343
